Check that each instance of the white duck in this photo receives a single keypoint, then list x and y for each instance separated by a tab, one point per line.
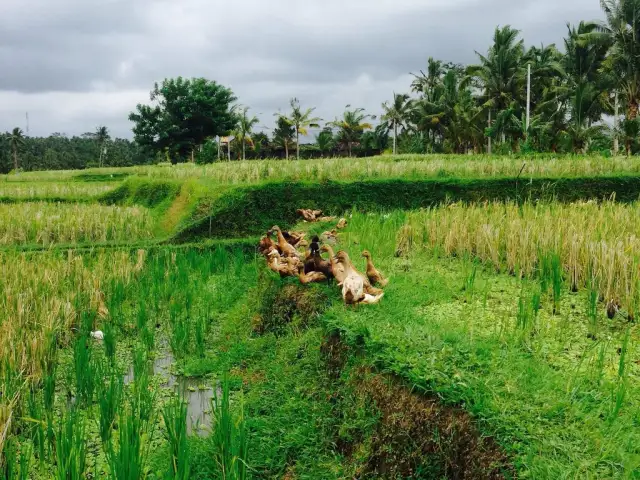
353	283
98	335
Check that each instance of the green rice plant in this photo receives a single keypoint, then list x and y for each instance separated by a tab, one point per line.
200	334
592	309
180	330
71	447
110	342
14	464
174	415
51	223
109	394
127	457
620	389
230	440
85	373
143	397
556	281
37	424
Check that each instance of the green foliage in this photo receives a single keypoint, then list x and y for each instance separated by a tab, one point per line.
186	113
71	447
230	438
174	415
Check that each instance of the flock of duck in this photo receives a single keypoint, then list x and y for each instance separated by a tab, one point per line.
290	255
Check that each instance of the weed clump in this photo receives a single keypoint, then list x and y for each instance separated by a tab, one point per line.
289	307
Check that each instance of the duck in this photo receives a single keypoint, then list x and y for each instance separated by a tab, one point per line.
287	267
330	237
337	269
373	274
294	238
319	263
342	224
308	214
372	299
310	277
368	288
266	245
286	248
353	283
98	335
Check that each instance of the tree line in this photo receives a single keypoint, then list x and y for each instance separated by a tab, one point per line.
486	107
60	152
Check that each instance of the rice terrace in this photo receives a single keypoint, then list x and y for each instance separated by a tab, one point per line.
445	289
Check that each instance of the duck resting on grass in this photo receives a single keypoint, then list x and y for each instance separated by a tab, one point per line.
353	286
286	248
286	267
373	274
310	277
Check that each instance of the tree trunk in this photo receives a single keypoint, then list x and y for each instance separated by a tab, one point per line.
297	144
349	146
15	158
193	160
100	157
219	153
244	155
228	150
286	150
616	118
489	138
632	111
395	138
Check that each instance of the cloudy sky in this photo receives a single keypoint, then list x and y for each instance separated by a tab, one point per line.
77	64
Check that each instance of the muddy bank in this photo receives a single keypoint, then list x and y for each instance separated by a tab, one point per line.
415	436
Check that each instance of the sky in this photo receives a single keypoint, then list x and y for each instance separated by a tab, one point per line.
76	64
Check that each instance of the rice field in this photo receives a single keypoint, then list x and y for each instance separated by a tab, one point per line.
47	224
596	244
56	190
401	166
522	316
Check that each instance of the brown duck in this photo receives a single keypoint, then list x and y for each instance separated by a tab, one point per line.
373	274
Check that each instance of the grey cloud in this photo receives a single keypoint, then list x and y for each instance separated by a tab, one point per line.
266	51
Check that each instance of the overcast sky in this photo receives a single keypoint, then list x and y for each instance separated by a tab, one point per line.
77	64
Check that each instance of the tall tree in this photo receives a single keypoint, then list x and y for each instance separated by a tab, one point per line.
301	120
17	142
185	113
325	141
396	115
500	73
351	126
244	129
621	32
102	137
283	134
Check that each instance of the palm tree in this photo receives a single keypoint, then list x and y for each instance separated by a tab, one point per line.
621	32
17	142
396	115
351	126
325	141
283	134
101	136
243	129
500	73
301	120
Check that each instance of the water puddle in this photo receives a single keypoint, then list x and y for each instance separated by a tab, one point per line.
195	391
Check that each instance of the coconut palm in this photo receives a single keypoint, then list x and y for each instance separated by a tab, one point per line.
621	32
16	140
351	126
325	141
283	134
101	136
500	74
244	129
300	120
425	83
396	115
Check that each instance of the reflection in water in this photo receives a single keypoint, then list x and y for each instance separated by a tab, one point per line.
198	396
